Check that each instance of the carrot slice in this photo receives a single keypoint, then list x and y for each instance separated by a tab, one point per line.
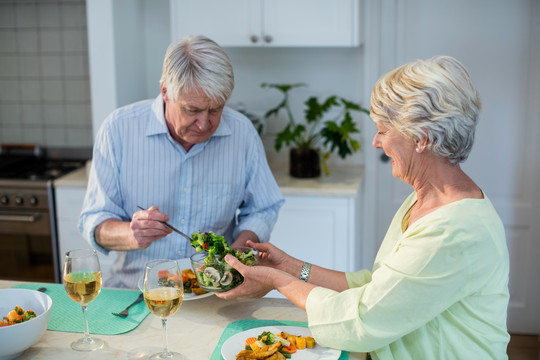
290	349
163	274
250	341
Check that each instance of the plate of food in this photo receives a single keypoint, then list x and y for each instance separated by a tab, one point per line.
276	342
192	291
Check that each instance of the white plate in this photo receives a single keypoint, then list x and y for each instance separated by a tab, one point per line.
237	343
183	264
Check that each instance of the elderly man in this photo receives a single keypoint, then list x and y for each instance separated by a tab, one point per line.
186	158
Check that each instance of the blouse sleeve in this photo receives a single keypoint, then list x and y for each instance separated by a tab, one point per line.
424	273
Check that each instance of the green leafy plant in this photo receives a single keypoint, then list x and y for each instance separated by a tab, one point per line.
314	132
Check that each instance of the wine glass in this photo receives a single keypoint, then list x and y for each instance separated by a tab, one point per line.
163	294
82	280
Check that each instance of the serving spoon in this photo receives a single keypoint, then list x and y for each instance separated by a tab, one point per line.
171	227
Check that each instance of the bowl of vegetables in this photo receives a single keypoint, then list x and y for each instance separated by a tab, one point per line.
209	265
24	318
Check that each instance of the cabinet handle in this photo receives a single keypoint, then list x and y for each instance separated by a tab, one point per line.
24	218
268	39
254	39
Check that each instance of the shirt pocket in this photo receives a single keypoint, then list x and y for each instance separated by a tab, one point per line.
219	204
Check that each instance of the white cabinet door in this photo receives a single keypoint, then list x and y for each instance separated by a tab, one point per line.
68	208
229	23
319	230
240	23
311	22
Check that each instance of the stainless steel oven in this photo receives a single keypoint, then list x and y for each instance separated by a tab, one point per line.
28	236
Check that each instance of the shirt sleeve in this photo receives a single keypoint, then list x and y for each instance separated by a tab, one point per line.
425	272
263	199
103	200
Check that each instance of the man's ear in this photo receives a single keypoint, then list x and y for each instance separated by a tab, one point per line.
164	92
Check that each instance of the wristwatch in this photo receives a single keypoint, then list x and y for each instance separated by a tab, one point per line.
304	273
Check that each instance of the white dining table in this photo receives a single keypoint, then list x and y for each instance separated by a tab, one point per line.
194	331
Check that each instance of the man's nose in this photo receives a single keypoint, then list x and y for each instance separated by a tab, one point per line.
203	121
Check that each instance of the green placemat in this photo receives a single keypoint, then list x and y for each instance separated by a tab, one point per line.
67	314
242	325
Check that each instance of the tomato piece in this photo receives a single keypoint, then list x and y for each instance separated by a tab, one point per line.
163	274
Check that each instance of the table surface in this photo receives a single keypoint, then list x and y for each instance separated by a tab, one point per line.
193	331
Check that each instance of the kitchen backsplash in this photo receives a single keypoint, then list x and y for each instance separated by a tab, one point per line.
44	77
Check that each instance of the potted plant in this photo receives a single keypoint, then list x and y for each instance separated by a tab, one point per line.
315	138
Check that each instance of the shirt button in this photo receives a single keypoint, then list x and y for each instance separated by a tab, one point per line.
182	221
185	189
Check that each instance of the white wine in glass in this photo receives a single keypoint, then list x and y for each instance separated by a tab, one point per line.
82	280
163	294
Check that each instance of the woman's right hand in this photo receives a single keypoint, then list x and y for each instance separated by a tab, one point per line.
271	256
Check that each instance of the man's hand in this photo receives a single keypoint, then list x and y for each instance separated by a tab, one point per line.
146	226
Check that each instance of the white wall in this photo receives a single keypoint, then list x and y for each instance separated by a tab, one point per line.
326	71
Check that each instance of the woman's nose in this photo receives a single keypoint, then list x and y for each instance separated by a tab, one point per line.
375	142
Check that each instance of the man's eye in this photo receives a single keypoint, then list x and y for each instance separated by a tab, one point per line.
215	111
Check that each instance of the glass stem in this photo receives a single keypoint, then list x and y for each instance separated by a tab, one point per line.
165	343
85	317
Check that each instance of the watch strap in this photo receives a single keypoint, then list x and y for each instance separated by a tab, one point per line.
304	273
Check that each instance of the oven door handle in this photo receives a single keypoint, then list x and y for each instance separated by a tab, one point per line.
23	218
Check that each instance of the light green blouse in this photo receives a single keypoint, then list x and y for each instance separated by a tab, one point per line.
439	290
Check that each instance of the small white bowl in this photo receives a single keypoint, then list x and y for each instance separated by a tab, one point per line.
14	339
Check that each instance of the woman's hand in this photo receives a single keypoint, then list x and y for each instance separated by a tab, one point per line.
271	256
258	280
146	226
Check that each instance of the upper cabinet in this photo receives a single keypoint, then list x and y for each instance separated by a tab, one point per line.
269	23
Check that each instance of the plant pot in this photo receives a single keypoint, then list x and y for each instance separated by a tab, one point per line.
304	163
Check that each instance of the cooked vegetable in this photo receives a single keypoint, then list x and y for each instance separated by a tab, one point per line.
300	343
257	348
191	285
17	315
310	342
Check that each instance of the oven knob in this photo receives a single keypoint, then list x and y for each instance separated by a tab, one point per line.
34	200
19	200
4	200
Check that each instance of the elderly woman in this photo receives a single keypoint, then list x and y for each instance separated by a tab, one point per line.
439	285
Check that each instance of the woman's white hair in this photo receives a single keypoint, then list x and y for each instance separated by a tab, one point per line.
196	63
431	99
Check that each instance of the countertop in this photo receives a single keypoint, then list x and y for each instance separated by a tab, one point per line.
193	331
343	181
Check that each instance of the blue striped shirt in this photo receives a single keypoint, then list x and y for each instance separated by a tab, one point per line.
223	185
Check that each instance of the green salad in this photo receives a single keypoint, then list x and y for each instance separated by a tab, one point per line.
215	274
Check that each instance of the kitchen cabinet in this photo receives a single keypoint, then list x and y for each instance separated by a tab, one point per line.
269	23
320	220
320	230
69	193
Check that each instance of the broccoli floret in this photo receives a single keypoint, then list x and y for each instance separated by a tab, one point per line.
29	314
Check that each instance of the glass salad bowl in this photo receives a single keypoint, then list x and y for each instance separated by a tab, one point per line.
215	275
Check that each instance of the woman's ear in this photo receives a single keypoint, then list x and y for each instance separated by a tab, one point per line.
421	143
